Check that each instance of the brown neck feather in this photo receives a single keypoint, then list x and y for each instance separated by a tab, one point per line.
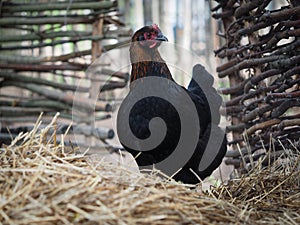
147	62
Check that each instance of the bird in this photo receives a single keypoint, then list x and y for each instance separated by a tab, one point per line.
146	62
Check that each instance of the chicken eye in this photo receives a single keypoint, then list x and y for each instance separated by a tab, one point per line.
141	38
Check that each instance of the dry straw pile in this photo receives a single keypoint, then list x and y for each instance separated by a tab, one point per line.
42	183
271	194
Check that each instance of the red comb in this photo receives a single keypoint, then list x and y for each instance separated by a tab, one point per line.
155	26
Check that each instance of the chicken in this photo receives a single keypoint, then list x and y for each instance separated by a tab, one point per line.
190	116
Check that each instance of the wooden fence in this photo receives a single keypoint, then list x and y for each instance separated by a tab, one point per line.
45	49
260	57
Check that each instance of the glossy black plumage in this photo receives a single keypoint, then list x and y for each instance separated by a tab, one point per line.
148	62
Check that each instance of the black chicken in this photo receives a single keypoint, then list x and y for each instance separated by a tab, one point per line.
148	101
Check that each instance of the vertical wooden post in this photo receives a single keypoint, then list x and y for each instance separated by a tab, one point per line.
96	53
235	78
96	45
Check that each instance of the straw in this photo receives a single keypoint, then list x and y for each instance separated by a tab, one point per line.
44	183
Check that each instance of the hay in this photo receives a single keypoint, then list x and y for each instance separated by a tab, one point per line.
42	183
272	193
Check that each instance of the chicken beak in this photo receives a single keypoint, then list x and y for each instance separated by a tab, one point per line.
161	37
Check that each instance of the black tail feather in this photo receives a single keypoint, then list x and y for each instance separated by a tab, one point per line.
202	86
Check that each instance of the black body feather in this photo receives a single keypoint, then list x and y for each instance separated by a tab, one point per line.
206	101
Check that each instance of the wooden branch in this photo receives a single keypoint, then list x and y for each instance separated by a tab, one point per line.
256	79
231	109
65	57
120	44
54	43
280	15
19	59
294	94
36	80
233	66
223	14
228	64
244	151
282	35
254	104
40	45
262	7
284	106
41	67
234	101
241	98
286	63
247	7
112	85
288	123
267	158
27	119
261	126
287	48
14	112
12	21
293	71
257	92
288	84
96	5
238	89
268	19
229	52
113	73
81	104
50	104
291	117
70	40
238	127
48	117
20	111
86	52
242	50
288	133
252	94
236	141
98	132
260	111
40	36
234	162
35	60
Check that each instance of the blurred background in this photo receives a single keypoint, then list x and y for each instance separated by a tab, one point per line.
187	23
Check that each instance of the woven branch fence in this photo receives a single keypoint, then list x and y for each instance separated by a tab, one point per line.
260	57
45	49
